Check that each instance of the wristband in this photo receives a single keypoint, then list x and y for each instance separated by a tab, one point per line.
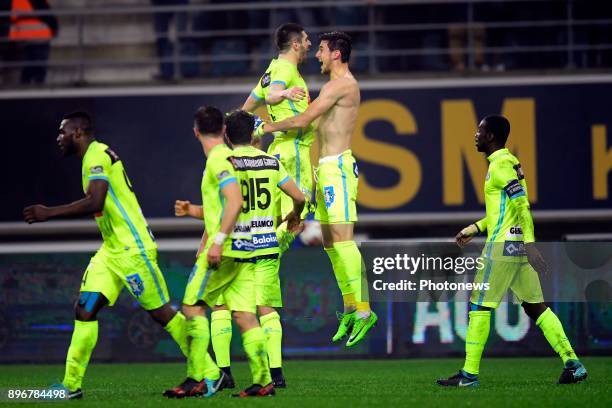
220	238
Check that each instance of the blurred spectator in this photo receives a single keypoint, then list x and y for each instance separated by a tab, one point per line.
458	41
30	38
166	50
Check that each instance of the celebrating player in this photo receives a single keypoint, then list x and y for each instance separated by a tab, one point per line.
337	107
128	256
509	226
283	90
263	169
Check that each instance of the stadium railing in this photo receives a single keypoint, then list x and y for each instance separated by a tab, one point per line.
565	26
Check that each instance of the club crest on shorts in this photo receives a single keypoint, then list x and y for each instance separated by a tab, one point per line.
329	195
136	284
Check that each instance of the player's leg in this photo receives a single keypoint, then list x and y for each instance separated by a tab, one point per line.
527	288
240	298
336	210
145	281
268	299
204	287
221	338
99	287
499	275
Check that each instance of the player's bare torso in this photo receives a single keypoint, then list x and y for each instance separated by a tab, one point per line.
335	127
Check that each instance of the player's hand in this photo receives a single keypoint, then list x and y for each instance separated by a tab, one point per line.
258	129
181	208
465	235
535	259
294	94
294	223
36	213
214	255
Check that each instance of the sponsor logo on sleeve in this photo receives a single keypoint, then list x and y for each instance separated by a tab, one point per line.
355	170
223	175
96	170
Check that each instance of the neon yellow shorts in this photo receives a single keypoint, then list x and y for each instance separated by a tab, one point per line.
337	179
267	284
295	157
520	277
232	279
108	273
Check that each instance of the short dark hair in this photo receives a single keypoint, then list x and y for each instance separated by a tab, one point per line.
83	121
286	33
208	119
239	127
499	126
338	40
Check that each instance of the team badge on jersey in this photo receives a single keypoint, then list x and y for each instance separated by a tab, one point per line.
136	284
329	195
265	80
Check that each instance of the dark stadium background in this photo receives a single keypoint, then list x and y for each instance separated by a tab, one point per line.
546	62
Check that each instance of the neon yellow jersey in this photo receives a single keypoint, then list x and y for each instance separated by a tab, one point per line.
121	223
260	176
505	192
218	173
283	72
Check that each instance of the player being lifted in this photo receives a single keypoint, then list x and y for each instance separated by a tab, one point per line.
283	90
509	226
337	107
260	194
225	267
128	256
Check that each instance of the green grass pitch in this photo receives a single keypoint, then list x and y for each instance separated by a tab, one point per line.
518	382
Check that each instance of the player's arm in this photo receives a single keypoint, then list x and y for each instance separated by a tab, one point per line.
288	186
233	206
92	203
518	199
252	103
465	235
185	208
330	93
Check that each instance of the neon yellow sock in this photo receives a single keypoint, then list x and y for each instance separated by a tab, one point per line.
350	304
84	339
199	362
254	343
177	328
273	330
221	335
552	328
340	273
476	338
352	264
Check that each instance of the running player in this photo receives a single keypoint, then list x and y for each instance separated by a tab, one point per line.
337	107
128	256
510	258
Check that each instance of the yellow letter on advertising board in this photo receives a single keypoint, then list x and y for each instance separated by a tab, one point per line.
602	162
399	159
459	123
